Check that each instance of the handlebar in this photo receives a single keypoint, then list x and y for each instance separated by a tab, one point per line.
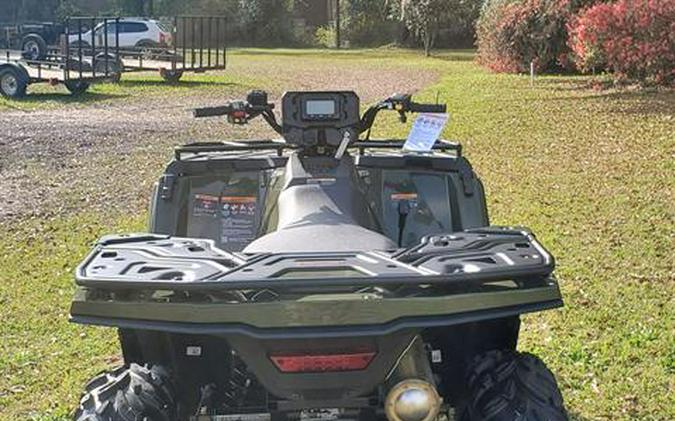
427	108
240	112
212	111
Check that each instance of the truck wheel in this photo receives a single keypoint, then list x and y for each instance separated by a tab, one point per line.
171	76
12	85
510	386
128	393
76	87
33	47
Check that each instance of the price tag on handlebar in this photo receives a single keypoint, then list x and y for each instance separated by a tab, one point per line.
426	130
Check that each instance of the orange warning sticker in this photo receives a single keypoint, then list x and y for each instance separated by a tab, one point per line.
238	199
404	196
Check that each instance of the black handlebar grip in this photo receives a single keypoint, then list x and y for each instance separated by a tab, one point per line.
427	108
212	111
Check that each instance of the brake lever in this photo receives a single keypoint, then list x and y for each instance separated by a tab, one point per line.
239	114
401	104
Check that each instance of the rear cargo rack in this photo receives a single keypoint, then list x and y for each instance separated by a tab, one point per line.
155	262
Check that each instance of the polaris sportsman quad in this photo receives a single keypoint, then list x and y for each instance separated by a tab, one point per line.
321	276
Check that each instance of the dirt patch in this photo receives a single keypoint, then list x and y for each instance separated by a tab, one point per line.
105	156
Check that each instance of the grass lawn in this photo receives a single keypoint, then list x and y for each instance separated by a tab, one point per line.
592	173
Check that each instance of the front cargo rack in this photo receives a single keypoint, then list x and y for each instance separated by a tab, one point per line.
279	146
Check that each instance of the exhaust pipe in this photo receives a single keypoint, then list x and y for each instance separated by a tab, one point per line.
412	400
413	396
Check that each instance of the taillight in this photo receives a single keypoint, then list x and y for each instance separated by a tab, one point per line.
322	363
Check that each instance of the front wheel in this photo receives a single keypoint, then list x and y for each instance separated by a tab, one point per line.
133	392
512	386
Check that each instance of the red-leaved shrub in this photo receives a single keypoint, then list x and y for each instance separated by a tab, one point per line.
635	39
513	33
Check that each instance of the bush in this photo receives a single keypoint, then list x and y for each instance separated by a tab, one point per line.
635	39
325	36
513	33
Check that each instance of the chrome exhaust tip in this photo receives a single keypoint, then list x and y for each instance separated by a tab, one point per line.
412	400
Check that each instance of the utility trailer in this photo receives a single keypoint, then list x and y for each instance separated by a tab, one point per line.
75	65
184	44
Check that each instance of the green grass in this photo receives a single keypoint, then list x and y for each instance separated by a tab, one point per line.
592	173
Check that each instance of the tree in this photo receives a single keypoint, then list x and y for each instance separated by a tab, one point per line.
423	18
266	22
370	22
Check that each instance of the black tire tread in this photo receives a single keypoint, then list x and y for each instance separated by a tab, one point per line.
171	77
21	92
77	87
128	393
511	386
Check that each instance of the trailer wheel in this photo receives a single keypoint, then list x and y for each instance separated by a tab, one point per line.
509	386
12	85
33	47
129	393
171	76
76	87
112	68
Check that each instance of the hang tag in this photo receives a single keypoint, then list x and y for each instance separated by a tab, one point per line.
346	140
426	130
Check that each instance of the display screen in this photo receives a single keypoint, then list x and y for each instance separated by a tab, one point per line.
320	107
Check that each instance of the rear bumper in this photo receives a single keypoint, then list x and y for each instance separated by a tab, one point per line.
320	318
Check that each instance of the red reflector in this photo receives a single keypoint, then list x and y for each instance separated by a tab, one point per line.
239	114
322	363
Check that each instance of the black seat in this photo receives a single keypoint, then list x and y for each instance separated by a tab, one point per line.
321	212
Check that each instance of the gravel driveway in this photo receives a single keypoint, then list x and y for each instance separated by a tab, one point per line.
104	156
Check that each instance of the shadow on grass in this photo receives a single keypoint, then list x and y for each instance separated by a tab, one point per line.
655	101
39	98
183	83
378	52
458	55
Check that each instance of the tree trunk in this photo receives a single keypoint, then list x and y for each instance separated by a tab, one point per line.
428	42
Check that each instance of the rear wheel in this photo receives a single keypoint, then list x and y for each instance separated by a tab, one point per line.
12	85
510	386
128	394
76	87
33	47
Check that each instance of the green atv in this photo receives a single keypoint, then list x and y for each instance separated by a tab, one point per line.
321	276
